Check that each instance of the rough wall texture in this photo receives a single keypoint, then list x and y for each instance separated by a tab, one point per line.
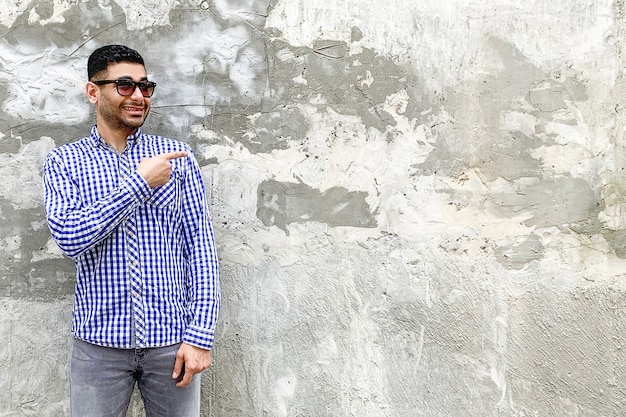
420	205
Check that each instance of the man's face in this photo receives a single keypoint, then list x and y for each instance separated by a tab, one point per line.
115	110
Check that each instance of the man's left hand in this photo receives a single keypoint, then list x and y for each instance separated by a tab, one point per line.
194	359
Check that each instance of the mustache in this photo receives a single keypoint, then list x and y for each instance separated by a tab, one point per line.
134	103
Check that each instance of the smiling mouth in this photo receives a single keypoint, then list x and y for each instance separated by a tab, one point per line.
134	109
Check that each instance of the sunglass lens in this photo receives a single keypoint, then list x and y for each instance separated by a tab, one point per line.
125	88
146	88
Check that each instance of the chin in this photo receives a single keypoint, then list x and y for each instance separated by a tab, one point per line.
135	123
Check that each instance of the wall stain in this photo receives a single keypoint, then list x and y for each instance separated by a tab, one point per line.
280	204
23	234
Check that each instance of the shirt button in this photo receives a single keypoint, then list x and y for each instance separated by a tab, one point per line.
135	294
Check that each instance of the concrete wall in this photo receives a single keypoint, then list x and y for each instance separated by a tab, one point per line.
419	205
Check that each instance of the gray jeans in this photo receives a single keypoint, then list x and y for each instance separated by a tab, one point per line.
102	380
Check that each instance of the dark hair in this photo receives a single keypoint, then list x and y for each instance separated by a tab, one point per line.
100	59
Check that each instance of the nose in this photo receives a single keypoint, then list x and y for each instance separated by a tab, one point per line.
137	93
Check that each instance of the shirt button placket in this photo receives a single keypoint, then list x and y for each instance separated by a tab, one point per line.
134	267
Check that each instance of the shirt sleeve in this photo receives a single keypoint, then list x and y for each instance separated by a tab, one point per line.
203	278
75	227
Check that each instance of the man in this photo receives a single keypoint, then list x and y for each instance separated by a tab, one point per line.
130	210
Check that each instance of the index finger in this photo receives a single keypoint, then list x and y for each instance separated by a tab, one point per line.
186	380
178	367
173	155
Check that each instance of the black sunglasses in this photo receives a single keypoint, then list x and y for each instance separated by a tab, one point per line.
127	87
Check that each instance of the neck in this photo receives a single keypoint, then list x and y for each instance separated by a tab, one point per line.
115	137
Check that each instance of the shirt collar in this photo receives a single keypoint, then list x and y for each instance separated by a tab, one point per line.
98	140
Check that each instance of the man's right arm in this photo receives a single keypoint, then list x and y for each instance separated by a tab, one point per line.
77	227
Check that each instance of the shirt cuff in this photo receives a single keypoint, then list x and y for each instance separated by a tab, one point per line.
199	337
138	186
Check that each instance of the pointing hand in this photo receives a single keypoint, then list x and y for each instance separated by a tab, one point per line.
157	169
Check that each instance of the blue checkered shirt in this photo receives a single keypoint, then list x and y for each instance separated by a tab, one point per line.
146	264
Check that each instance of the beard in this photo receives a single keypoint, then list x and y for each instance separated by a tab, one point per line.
118	117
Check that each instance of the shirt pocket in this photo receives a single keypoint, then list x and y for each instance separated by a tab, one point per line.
167	195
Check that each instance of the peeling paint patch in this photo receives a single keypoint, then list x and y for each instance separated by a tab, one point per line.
32	268
517	253
550	203
145	14
547	98
280	204
46	12
21	182
617	240
11	10
364	84
275	130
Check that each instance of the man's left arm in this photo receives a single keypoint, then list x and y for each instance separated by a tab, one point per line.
203	278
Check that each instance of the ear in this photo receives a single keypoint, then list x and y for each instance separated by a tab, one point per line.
92	92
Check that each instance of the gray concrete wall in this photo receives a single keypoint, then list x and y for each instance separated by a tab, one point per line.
419	205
